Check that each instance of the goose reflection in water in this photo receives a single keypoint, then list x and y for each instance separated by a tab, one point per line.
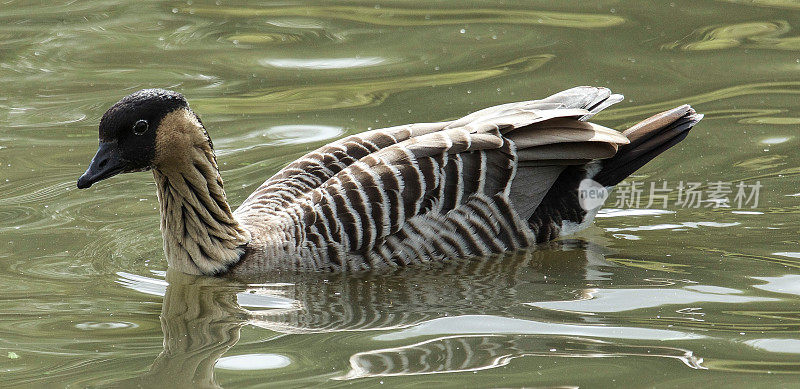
465	316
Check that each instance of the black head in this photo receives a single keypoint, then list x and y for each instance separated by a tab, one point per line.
128	134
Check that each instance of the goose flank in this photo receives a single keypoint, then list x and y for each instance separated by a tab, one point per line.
499	179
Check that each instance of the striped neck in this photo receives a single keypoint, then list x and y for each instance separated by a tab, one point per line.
201	236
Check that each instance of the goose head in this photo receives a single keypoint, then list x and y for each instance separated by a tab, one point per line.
147	129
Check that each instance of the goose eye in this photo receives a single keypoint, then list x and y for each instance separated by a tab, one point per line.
140	127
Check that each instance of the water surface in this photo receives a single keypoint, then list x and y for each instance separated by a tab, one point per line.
669	297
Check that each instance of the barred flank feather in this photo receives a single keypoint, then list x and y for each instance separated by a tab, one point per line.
496	180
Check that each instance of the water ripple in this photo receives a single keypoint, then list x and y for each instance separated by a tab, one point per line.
404	17
619	300
760	88
752	34
785	4
322	63
486	324
787	284
356	94
789	346
471	353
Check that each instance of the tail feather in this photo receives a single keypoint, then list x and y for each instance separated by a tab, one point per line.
648	139
550	135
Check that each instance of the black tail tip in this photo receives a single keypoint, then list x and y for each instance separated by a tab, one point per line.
649	138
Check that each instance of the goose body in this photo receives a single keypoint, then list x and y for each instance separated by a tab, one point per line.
500	179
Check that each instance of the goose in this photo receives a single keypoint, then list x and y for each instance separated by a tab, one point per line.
501	179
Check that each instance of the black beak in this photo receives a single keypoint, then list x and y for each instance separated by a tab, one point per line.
106	163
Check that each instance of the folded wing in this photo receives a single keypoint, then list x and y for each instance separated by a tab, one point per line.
426	192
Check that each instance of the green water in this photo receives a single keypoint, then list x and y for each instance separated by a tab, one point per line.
685	296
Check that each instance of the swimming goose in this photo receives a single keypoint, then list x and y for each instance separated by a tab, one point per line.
499	179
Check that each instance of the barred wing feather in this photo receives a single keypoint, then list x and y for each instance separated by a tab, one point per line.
434	191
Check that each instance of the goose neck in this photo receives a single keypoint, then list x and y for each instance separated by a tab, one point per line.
201	235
